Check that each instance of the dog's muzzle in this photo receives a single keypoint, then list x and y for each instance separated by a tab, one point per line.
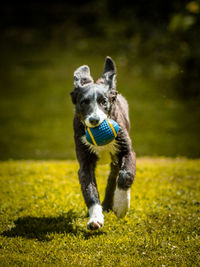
94	120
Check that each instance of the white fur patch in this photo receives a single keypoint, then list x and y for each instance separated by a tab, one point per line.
103	152
121	203
96	217
97	112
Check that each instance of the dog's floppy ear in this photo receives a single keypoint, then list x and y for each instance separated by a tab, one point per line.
73	96
109	73
82	78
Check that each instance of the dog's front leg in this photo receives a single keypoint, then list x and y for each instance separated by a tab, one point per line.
111	185
127	161
91	196
127	171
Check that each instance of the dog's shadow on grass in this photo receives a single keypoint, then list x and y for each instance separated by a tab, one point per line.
44	228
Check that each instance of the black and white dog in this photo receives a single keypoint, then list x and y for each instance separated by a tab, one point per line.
94	102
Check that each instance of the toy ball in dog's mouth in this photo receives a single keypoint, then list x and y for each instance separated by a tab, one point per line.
103	134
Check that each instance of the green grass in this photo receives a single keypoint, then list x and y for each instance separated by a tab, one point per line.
43	216
36	110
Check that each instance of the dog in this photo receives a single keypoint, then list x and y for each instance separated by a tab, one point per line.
94	102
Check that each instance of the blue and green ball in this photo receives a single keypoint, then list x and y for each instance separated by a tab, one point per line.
103	134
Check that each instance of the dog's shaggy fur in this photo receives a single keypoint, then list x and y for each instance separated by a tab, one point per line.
93	103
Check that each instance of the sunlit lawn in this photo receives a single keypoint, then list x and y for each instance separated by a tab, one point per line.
43	217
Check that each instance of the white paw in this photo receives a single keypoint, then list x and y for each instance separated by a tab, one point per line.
94	224
121	203
96	217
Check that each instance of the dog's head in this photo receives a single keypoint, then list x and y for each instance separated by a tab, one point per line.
93	101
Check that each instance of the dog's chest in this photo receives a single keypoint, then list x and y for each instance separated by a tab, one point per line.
104	153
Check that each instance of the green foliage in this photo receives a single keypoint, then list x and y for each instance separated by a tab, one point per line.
156	48
180	22
43	217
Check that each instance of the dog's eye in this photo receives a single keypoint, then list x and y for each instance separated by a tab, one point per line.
85	102
102	101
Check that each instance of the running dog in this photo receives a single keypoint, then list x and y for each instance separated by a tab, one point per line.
94	102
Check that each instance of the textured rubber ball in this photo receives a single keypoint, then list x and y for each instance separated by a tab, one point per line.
103	134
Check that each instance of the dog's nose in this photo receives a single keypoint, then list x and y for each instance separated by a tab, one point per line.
94	120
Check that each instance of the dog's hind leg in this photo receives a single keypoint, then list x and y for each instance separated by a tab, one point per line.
121	203
111	185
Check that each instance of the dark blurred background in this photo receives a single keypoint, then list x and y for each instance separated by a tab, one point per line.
156	47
